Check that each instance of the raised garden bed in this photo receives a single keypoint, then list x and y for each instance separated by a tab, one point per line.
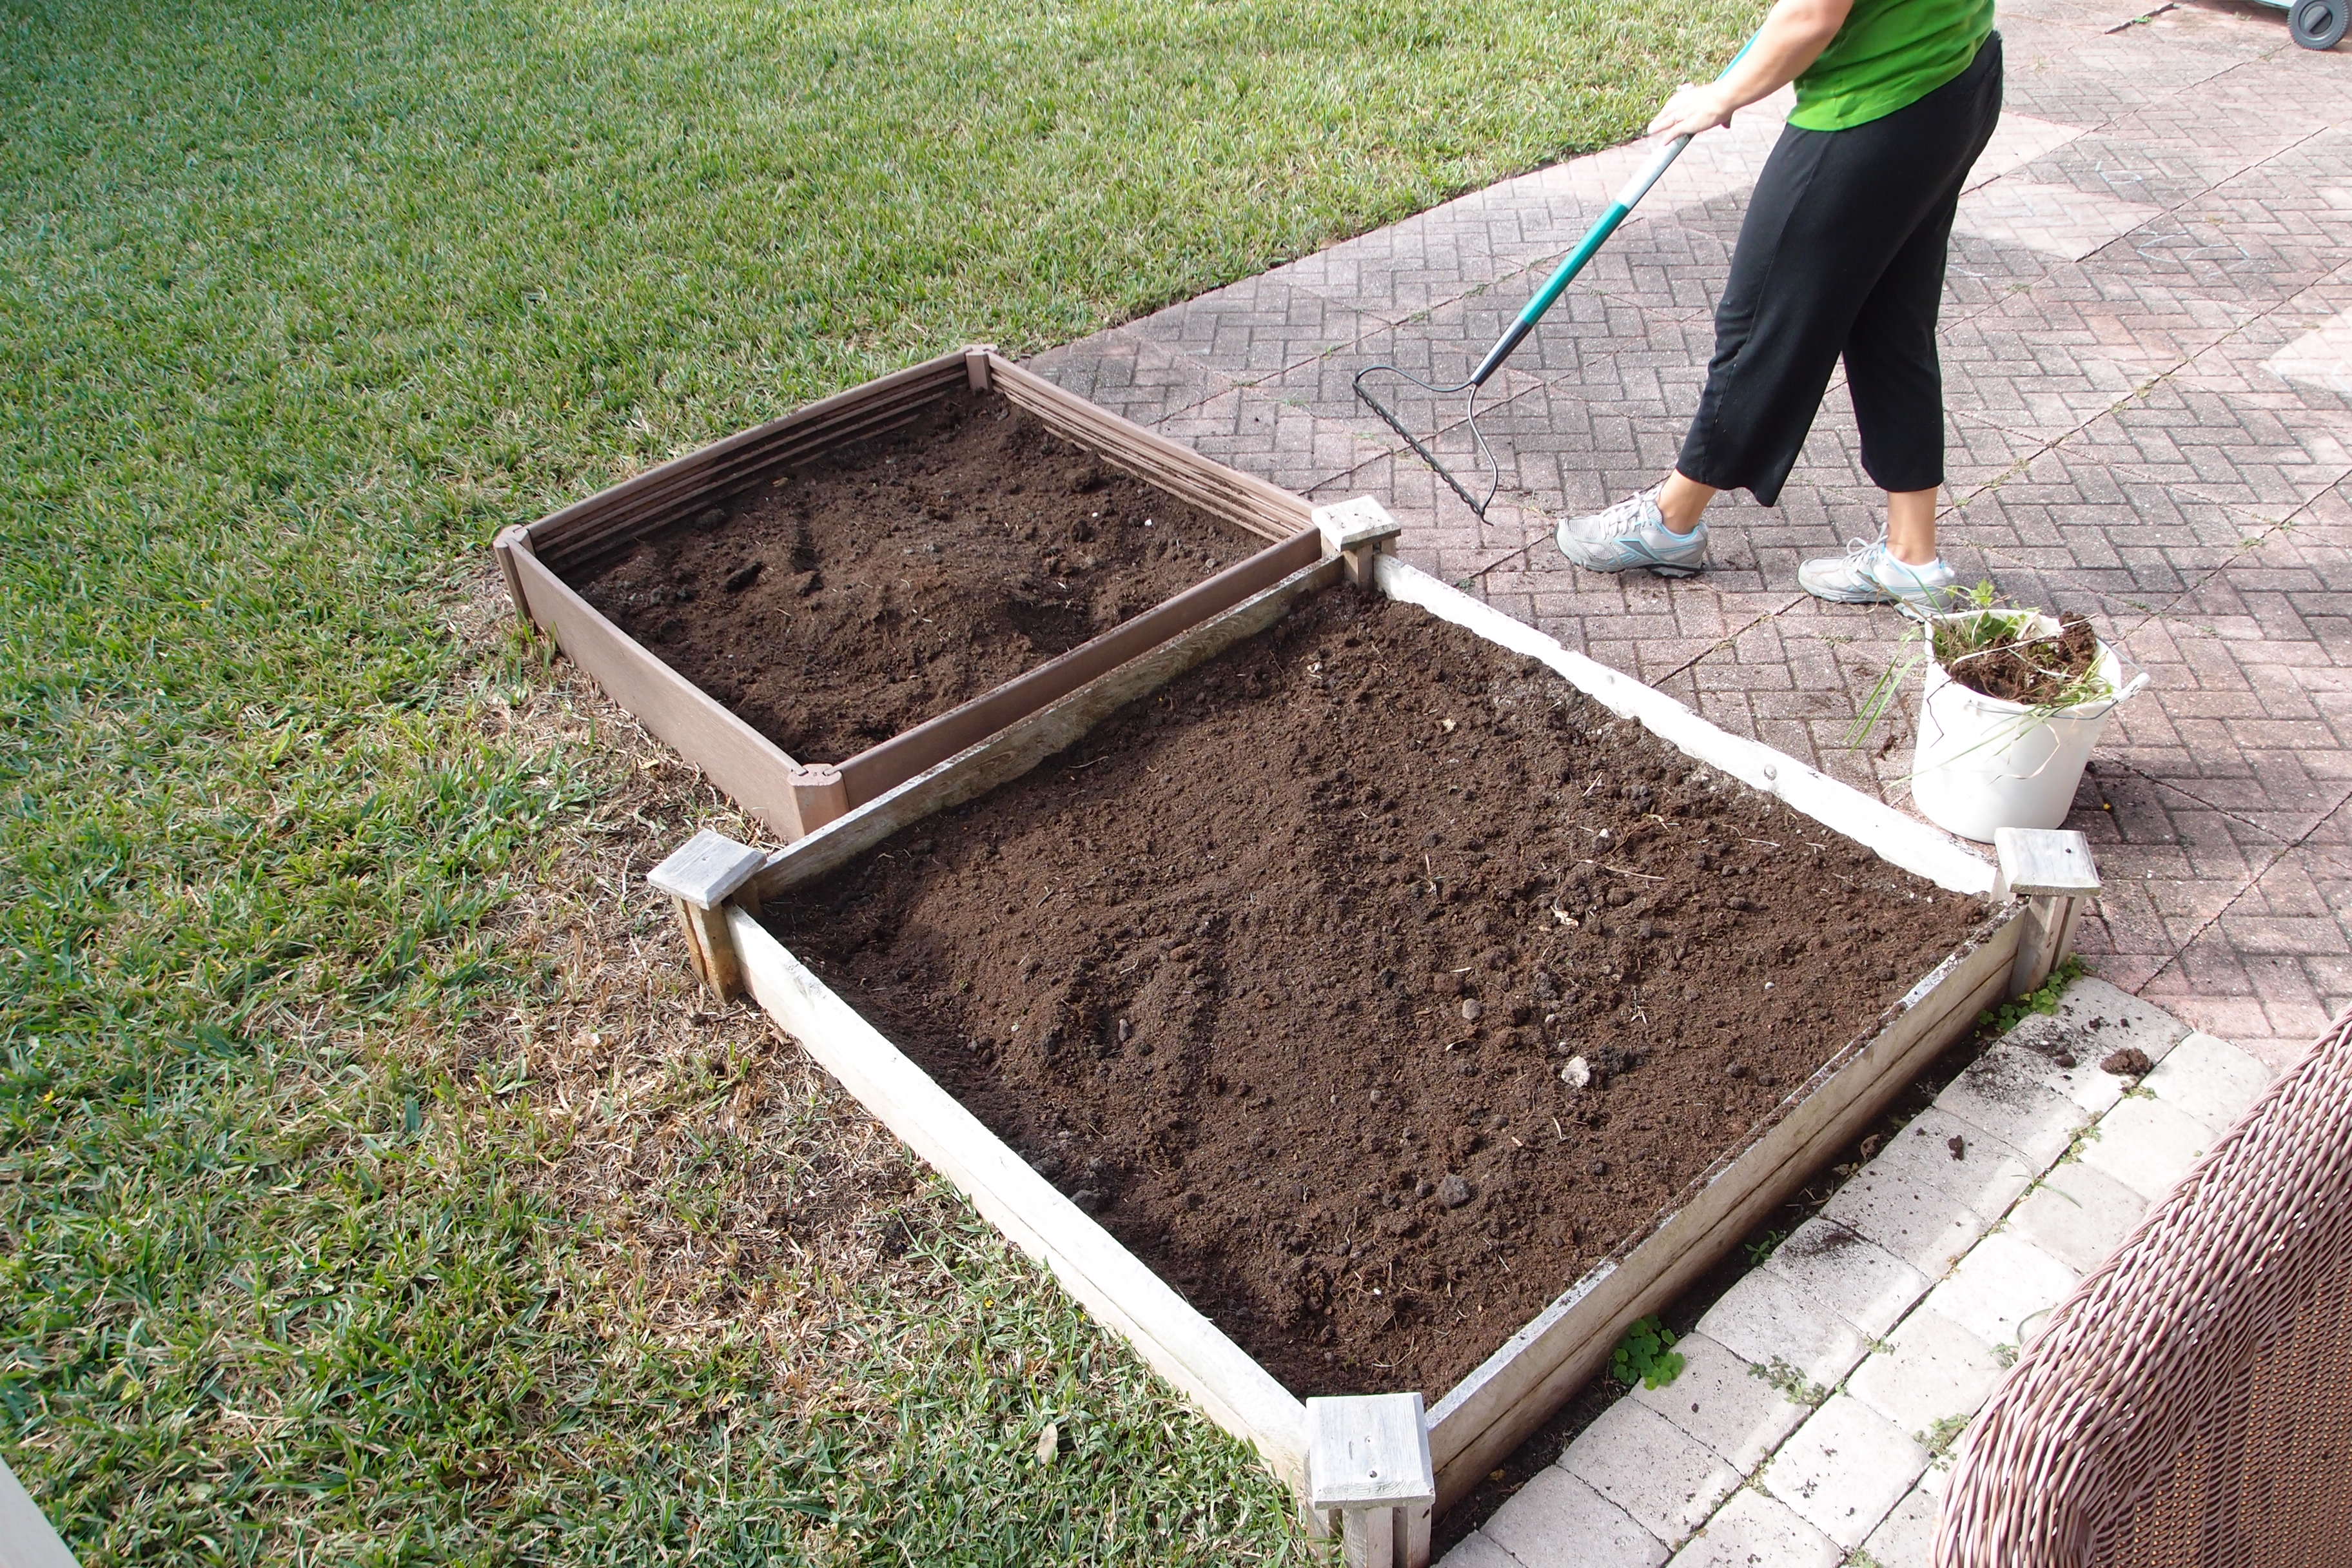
1291	943
1370	982
816	610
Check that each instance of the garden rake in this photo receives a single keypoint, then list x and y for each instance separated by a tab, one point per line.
1545	298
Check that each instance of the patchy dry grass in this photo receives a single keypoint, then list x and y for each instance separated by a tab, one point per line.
373	1188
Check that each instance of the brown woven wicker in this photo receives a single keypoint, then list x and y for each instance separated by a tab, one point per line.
2191	1402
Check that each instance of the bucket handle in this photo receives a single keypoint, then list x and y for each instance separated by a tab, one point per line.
2131	686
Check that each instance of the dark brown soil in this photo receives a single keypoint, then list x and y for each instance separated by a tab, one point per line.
2016	666
1279	970
853	598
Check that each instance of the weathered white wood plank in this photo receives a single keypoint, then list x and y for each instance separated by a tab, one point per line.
1368	1448
1167	1331
26	1540
706	869
2038	862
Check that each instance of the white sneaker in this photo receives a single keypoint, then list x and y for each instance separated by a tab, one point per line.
1632	533
1868	573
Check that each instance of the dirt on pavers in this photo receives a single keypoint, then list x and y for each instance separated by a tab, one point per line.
857	596
2018	664
1289	974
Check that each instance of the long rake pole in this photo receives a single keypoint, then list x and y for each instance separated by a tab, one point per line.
1627	199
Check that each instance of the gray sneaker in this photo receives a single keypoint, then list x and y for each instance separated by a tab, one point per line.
1632	533
1868	573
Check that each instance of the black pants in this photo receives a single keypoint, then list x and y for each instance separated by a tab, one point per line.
1843	253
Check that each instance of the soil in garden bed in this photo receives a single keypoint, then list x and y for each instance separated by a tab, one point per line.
1278	971
2019	666
858	596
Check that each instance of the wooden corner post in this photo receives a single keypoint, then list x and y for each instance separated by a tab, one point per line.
2051	871
700	877
1367	1461
819	794
1357	530
510	540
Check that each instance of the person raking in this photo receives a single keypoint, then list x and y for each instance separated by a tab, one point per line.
1841	253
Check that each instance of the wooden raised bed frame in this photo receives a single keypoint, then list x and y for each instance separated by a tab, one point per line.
792	797
719	887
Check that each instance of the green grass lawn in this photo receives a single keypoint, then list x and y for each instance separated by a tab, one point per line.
369	1189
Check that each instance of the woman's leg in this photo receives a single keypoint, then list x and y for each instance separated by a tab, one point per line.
1895	380
1682	498
1777	330
1831	213
1911	525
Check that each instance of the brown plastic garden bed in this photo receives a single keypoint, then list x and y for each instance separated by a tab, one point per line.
586	574
1782	1137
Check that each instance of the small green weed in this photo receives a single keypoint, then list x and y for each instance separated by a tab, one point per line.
2074	1145
1793	1384
1764	1247
1938	1439
2001	1020
1646	1355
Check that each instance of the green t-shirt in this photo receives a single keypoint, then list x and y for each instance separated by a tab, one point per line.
1889	54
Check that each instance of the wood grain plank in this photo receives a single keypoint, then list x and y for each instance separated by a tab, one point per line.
1017	748
1242	498
554	533
881	768
739	759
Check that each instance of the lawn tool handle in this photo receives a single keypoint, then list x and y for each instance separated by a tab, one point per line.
1589	246
1545	298
1586	250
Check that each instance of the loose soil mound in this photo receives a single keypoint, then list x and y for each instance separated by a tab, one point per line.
2019	666
1277	972
853	598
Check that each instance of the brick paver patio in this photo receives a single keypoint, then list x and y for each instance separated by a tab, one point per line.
2147	348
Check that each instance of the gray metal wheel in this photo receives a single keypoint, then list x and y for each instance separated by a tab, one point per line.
2318	23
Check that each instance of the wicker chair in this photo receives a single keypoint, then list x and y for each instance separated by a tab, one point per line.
2191	1402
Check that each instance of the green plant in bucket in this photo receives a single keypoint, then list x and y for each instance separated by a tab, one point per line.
1958	636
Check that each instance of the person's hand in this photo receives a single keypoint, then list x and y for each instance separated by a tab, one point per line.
1693	108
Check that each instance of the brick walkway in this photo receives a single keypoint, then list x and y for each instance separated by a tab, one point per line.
2148	350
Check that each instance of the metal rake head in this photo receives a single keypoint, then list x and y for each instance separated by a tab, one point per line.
1470	418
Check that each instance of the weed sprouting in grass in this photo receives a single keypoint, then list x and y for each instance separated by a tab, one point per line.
373	1188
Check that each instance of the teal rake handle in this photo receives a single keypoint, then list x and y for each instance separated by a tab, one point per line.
1589	246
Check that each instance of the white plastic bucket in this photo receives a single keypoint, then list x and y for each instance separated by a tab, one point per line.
1982	764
